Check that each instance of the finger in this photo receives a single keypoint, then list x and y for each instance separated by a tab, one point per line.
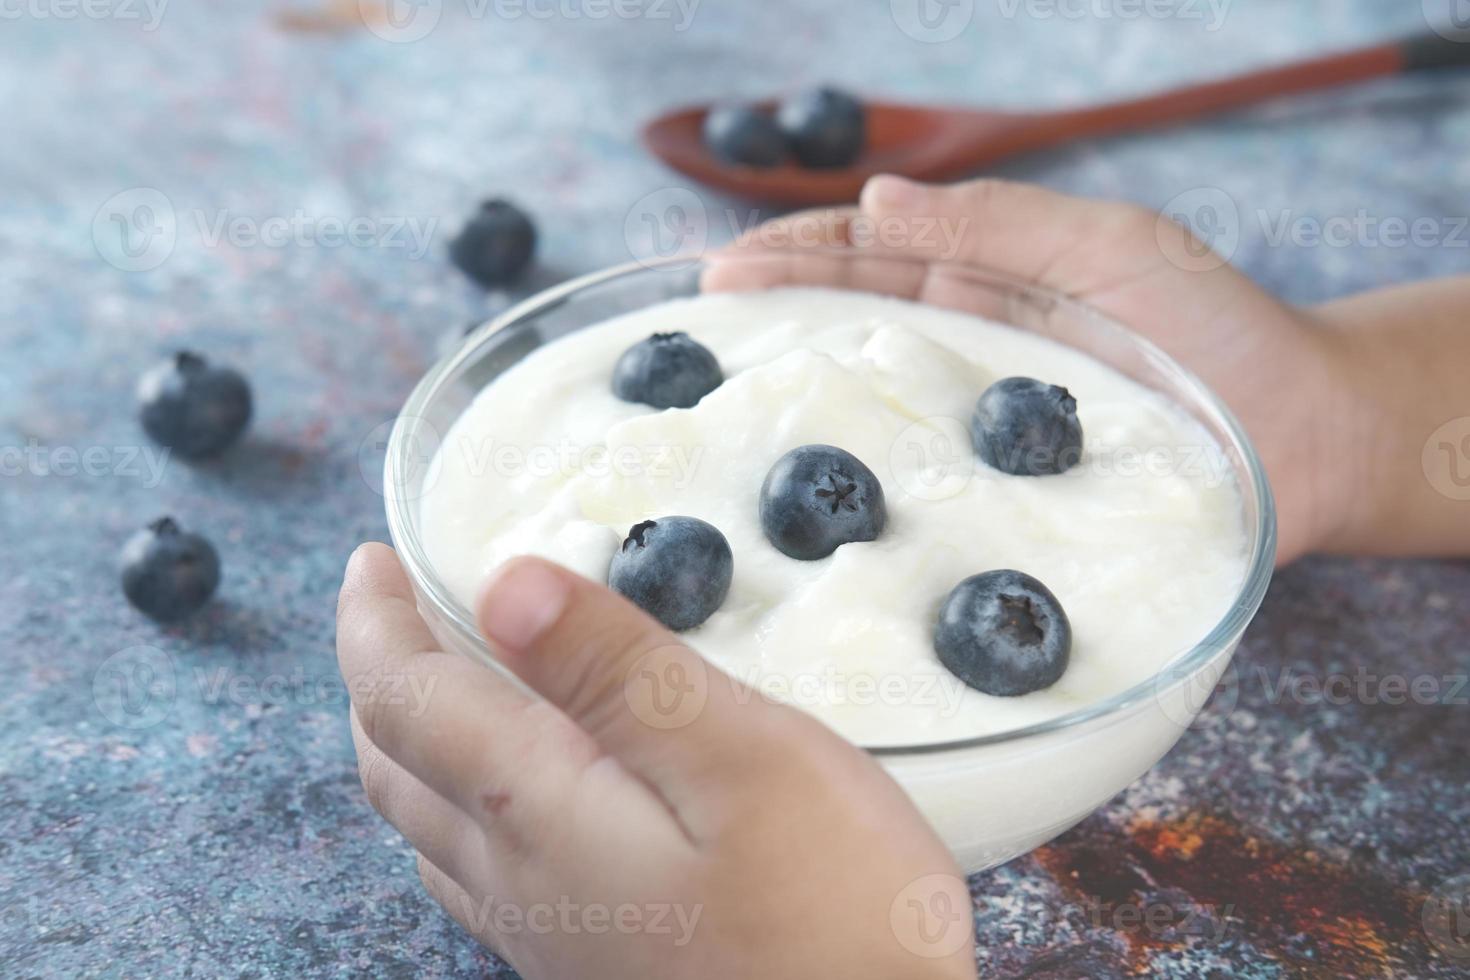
510	760
813	228
652	702
1037	235
475	918
435	827
811	248
733	271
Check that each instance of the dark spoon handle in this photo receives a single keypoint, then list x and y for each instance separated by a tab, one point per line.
1420	53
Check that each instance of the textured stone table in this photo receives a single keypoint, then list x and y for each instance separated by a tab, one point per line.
218	828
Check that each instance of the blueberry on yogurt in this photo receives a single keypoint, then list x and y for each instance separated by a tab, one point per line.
1003	633
677	569
818	498
168	573
744	136
1026	427
193	407
668	370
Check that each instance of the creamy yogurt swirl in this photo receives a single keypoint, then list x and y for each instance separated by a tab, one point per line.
1143	542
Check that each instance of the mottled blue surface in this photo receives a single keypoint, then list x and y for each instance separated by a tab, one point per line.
218	827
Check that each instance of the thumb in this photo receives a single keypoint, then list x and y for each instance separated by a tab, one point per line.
646	697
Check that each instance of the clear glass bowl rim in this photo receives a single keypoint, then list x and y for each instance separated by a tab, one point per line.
1179	670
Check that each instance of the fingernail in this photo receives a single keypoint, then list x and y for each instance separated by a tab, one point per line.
888	192
520	602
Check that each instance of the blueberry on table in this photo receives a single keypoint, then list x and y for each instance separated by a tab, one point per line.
745	136
168	573
1026	427
668	370
818	498
192	407
1003	633
825	129
677	569
495	245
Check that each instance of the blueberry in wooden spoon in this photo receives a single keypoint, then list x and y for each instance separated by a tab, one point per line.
825	128
744	136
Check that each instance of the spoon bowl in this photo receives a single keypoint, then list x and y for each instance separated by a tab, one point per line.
940	143
922	142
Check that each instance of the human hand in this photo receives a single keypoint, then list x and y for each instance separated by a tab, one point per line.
589	824
1276	368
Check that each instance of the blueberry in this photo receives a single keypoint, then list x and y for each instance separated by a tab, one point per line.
166	573
193	407
818	498
496	245
825	129
744	136
1003	633
1027	428
677	569
668	370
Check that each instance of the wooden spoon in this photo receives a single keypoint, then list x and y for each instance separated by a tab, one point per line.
930	143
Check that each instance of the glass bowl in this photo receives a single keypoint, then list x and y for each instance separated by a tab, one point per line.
990	798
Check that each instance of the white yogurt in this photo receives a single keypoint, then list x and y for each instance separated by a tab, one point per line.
1143	542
